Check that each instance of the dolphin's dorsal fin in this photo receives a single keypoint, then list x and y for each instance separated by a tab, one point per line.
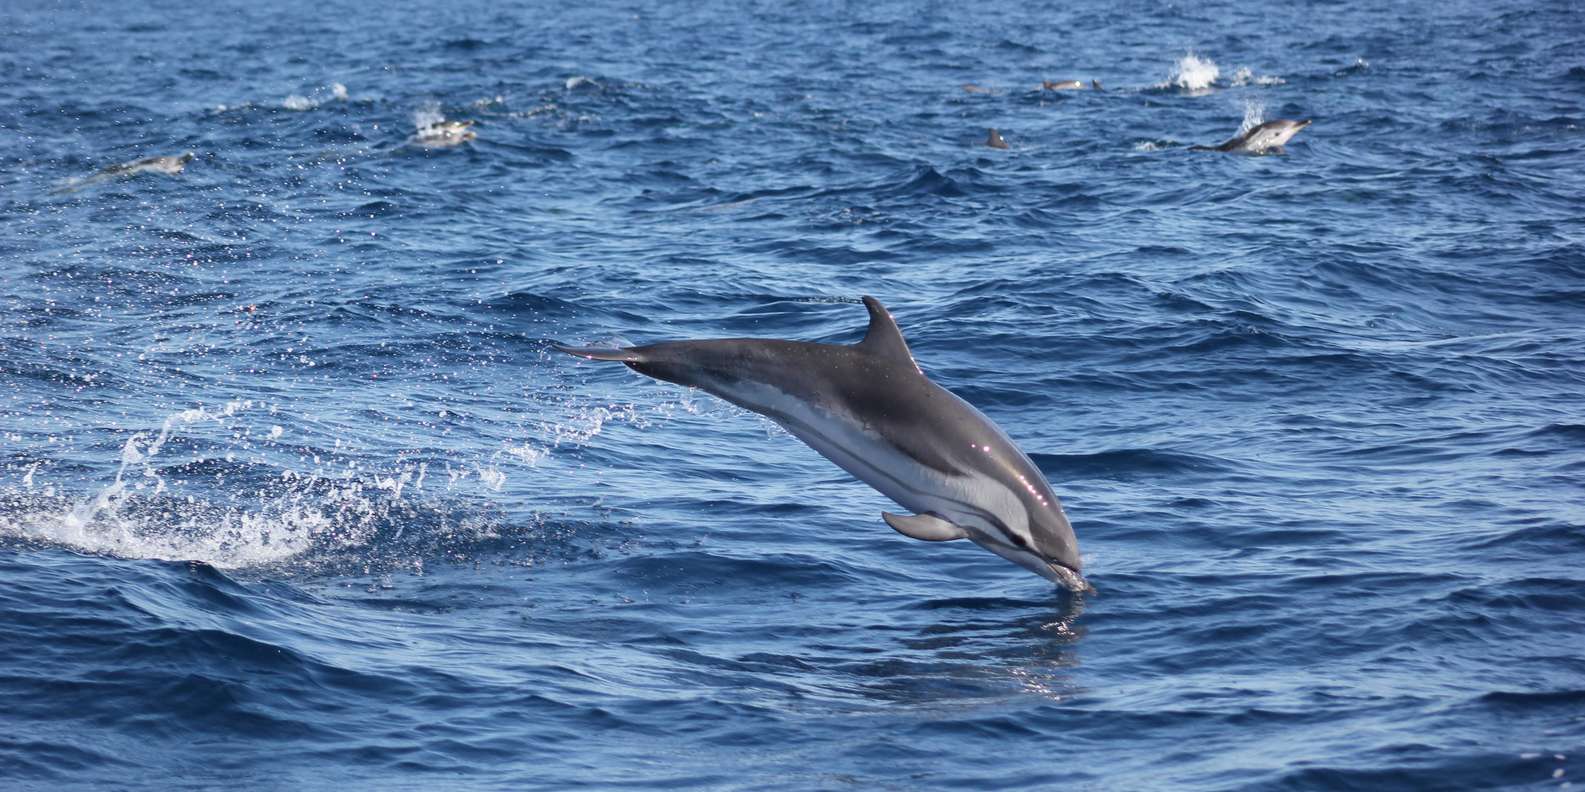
883	337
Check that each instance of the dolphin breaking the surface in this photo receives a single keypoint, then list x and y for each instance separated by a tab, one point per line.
439	134
169	165
868	408
1270	136
1069	85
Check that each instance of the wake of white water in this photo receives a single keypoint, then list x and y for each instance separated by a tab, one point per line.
134	516
258	513
274	521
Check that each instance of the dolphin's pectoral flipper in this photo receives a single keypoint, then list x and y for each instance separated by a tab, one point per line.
598	353
924	527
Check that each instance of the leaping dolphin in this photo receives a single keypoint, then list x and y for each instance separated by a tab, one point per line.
1270	136
868	408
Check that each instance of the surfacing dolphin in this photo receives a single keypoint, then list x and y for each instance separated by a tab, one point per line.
1069	85
868	408
169	165
440	134
1269	136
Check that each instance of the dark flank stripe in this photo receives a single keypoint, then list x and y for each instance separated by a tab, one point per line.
798	426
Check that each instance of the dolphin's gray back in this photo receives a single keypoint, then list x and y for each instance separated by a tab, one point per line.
839	379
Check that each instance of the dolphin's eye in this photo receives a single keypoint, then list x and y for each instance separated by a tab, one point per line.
1020	541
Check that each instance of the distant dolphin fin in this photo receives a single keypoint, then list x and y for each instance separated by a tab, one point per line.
924	527
598	353
883	338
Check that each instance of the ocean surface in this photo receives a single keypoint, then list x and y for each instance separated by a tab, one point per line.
295	495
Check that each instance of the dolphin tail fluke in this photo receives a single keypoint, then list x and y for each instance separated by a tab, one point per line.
600	353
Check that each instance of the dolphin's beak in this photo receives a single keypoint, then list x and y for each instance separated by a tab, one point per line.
1069	578
1048	568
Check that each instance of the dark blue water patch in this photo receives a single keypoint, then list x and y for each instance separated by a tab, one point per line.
1418	766
1567	433
49	761
699	572
1128	464
1521	596
1531	534
1520	701
921	180
466	43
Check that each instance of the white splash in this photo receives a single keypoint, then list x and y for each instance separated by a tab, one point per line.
579	81
395	483
1193	74
539	110
1254	116
1246	76
573	431
428	115
579	429
136	516
317	97
432	130
491	476
527	453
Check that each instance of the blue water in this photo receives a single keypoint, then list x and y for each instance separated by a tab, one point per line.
294	495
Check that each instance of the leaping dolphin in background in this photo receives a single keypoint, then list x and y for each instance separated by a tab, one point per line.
1270	136
868	408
